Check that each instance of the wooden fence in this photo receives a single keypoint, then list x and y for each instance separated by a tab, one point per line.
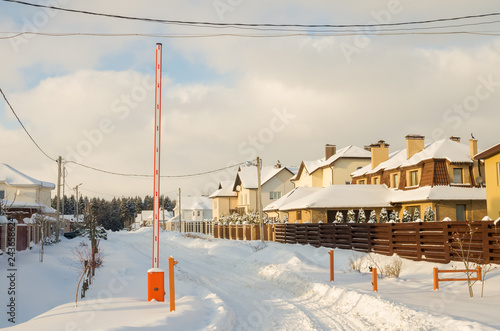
422	241
243	231
22	235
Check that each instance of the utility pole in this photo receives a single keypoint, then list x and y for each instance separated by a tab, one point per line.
180	211
259	200
58	222
76	209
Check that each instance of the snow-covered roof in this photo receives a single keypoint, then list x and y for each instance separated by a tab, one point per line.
488	152
14	177
442	149
344	196
439	193
350	151
195	203
355	196
247	175
225	190
29	205
148	215
295	194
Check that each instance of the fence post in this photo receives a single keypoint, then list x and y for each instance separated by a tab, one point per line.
436	278
331	265
171	284
374	280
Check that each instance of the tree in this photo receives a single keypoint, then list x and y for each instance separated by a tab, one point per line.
350	216
373	217
138	205
339	218
429	215
384	217
361	216
416	215
394	217
406	216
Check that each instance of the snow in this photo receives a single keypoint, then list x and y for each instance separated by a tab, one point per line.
225	190
295	194
238	285
14	177
350	151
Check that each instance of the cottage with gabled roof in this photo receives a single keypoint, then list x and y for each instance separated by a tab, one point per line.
23	195
224	200
334	169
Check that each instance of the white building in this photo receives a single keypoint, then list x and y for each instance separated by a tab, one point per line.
194	209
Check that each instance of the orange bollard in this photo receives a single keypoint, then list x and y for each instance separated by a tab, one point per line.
331	265
479	274
374	280
171	284
436	278
156	285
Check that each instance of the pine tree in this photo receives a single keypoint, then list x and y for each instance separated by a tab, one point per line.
384	216
350	216
429	215
138	205
373	217
394	217
339	218
416	215
406	216
361	216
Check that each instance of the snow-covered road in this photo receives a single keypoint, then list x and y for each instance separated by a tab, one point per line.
236	285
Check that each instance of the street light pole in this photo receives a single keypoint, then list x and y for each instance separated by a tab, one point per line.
259	200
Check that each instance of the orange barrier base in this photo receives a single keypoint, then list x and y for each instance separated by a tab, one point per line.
156	285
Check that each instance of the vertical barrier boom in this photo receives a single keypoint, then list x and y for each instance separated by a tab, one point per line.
156	281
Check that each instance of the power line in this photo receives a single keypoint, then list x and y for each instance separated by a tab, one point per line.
142	175
250	25
19	120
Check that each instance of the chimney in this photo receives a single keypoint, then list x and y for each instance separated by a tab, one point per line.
473	147
414	144
453	138
380	153
330	150
367	148
278	165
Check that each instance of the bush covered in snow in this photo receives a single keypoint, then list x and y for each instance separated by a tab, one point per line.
339	218
350	216
373	217
361	216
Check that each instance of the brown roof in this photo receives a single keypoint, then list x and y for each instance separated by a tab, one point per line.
488	152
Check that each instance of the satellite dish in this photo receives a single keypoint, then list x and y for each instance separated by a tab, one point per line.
480	180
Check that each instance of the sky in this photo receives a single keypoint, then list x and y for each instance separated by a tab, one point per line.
229	99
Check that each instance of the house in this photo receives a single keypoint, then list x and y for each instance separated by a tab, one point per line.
491	157
23	195
145	218
275	183
334	169
224	200
196	208
445	162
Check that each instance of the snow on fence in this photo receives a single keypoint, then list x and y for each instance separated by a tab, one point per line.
206	227
420	241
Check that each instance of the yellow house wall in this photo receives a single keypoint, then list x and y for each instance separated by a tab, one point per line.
304	179
344	167
474	210
492	186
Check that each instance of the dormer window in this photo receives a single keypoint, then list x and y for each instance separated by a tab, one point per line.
458	176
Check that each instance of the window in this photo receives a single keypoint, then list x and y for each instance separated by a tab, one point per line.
460	212
395	181
457	176
198	213
2	194
299	215
414	178
194	213
274	195
347	182
375	180
361	181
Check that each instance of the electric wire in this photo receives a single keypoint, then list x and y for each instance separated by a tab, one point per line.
250	25
25	130
163	176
